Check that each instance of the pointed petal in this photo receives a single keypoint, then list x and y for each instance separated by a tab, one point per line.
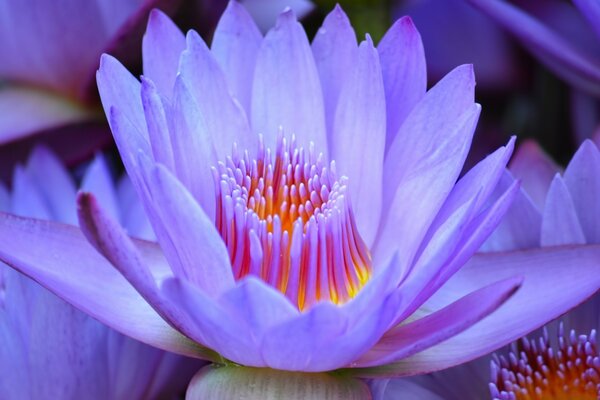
286	91
334	49
418	189
405	340
359	139
119	89
225	120
582	177
404	72
560	224
265	12
480	180
111	241
156	122
547	272
54	184
324	319
235	47
212	324
56	263
472	236
193	149
132	214
98	181
520	227
161	47
27	199
192	245
535	169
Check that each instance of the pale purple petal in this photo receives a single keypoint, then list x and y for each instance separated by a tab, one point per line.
157	124
520	227
132	214
293	345
481	180
334	49
59	337
98	181
570	271
53	182
224	118
144	266
287	92
27	198
582	177
535	169
162	44
194	152
472	236
191	243
560	224
404	73
432	151
235	47
213	325
358	140
259	305
265	12
120	90
407	339
55	262
26	111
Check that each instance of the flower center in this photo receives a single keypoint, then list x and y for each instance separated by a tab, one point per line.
537	370
286	218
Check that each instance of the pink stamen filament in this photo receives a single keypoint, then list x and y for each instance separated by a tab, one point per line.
537	370
287	219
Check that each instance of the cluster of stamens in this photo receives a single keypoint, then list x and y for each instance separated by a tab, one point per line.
286	218
538	370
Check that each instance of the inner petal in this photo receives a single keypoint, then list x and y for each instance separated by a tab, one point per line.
286	218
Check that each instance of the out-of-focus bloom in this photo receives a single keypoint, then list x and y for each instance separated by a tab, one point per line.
50	52
334	241
555	209
474	37
48	349
565	38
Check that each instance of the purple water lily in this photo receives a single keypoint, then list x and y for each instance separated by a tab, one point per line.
49	349
562	361
306	206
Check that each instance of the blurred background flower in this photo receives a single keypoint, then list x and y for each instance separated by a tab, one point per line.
555	208
51	51
51	350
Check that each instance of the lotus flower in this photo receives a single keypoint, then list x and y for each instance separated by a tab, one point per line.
555	363
306	206
48	349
